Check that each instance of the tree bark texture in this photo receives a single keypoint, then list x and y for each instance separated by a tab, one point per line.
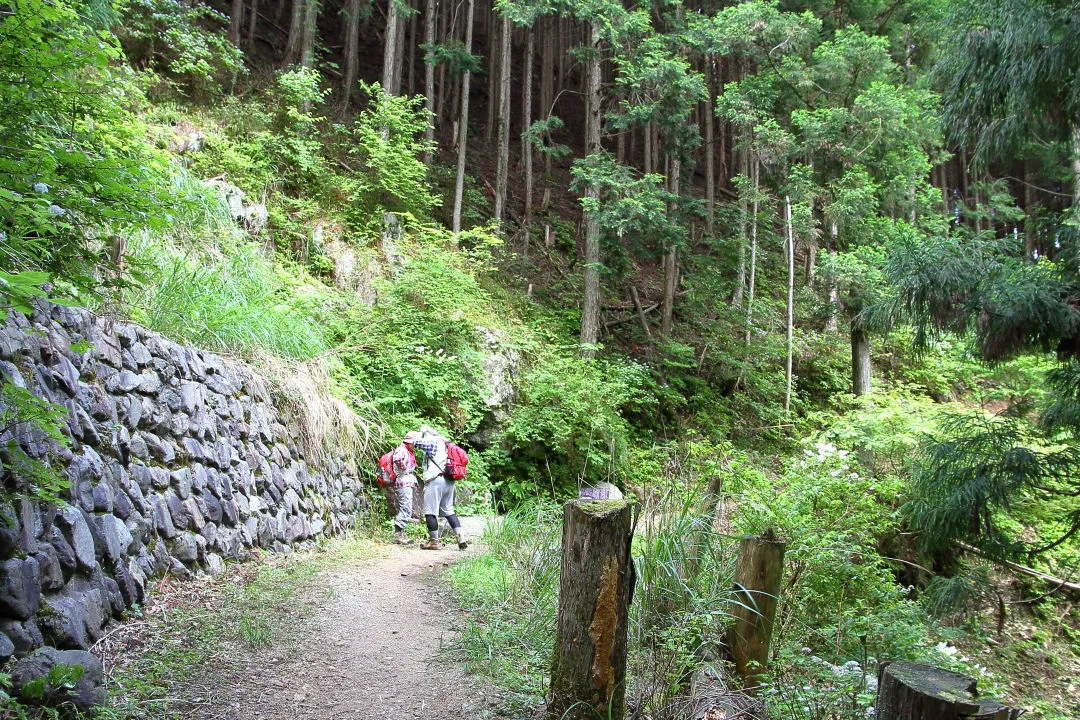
910	691
671	259
296	33
352	50
790	302
429	75
588	666
526	121
391	49
463	126
590	312
236	21
503	163
757	590
860	361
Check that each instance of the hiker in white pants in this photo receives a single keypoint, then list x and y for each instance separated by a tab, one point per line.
438	489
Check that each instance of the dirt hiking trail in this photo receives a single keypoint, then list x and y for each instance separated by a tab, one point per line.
371	651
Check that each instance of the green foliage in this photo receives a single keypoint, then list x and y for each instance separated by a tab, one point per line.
567	427
27	419
75	171
183	43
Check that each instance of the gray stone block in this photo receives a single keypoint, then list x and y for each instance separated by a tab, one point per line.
20	587
102	498
185	548
85	693
116	535
163	518
7	648
181	481
65	554
122	382
79	537
149	383
52	573
25	636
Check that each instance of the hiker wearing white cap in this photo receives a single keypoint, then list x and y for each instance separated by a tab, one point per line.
438	489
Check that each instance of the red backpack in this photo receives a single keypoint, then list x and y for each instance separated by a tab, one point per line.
456	462
386	470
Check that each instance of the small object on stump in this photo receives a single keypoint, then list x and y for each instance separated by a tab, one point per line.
911	691
601	491
757	590
588	666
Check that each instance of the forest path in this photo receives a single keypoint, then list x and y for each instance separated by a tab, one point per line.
371	650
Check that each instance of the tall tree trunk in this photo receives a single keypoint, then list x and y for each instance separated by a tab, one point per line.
236	21
352	50
671	259
710	148
253	22
296	34
410	47
391	51
834	292
790	301
751	283
590	314
1076	167
463	123
307	47
430	17
547	77
1029	205
503	163
526	121
494	61
744	211
860	360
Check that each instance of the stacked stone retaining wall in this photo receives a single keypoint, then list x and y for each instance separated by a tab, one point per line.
179	459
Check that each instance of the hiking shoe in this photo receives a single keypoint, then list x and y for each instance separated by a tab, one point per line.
402	539
432	544
462	543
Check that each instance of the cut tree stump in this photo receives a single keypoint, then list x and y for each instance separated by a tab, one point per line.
757	589
910	691
588	666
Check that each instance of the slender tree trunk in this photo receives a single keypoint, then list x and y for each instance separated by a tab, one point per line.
236	21
463	127
834	292
526	122
296	33
307	48
399	59
352	50
503	166
1029	206
391	51
710	149
410	47
744	211
671	259
752	279
1076	167
860	360
494	61
547	78
430	17
790	302
253	22
590	314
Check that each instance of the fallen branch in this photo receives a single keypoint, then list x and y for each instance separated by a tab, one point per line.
1062	583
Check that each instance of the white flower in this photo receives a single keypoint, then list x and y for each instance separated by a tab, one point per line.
40	187
57	210
3	236
946	649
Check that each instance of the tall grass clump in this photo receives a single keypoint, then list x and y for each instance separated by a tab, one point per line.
232	301
512	594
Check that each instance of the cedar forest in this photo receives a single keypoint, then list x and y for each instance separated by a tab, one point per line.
809	266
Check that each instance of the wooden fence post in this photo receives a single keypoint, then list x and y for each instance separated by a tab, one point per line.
910	691
757	589
588	666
